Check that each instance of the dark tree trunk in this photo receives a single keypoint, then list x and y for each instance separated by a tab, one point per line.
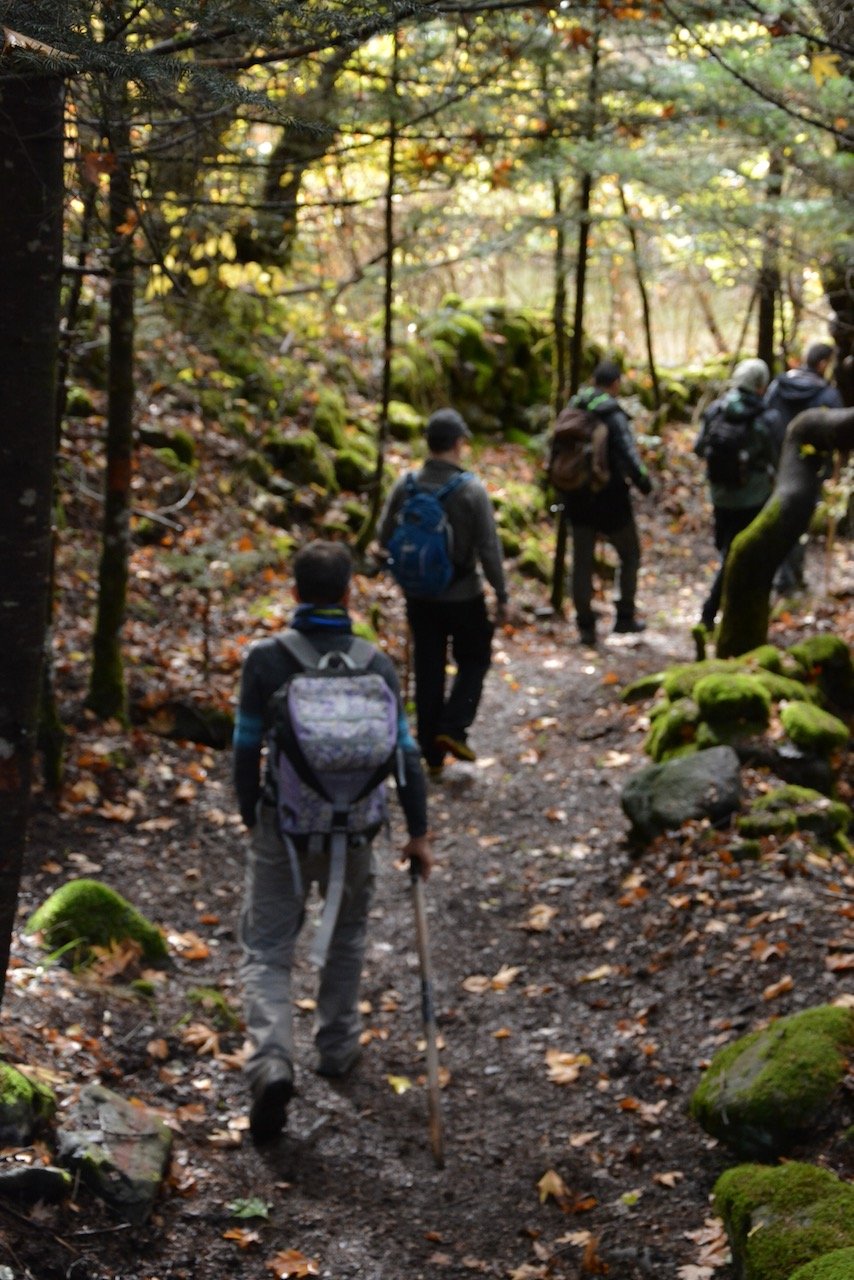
758	550
559	381
769	273
367	530
107	695
644	297
31	239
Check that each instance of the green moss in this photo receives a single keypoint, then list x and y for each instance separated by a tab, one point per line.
534	561
404	422
826	659
301	458
754	825
810	810
673	729
732	698
511	543
746	850
85	913
785	689
257	468
330	417
78	403
212	1002
643	688
26	1105
353	470
812	729
679	681
763	1091
780	1219
838	1265
768	657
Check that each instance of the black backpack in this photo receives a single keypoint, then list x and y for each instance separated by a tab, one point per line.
726	448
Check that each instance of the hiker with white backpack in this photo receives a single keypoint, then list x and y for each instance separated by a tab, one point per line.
326	704
438	532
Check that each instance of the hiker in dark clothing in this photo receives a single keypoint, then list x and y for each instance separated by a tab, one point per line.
281	868
738	499
790	394
458	615
608	511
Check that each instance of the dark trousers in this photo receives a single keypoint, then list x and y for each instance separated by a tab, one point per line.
627	546
729	521
465	625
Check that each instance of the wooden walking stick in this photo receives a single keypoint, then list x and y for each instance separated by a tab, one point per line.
428	1015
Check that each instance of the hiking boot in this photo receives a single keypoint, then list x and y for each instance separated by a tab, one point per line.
587	635
458	747
272	1089
435	772
336	1066
629	626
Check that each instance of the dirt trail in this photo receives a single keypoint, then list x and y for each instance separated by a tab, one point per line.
548	937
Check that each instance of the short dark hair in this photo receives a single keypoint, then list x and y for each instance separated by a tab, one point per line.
817	354
322	571
606	373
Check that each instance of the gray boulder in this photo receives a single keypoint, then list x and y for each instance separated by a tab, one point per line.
663	796
120	1151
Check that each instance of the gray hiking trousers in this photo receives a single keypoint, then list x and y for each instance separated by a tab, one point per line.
273	914
627	545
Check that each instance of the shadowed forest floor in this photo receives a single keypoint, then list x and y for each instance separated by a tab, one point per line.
550	936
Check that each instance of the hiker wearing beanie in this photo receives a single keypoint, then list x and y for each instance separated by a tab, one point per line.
793	392
738	440
607	509
450	611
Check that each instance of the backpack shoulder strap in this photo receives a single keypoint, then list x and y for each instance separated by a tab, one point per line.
450	486
300	649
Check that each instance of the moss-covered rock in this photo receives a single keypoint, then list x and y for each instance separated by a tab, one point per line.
533	561
644	687
838	1265
404	422
766	1090
301	458
353	469
826	660
732	698
82	914
330	417
78	403
257	468
679	681
673	730
813	729
794	808
780	1219
26	1106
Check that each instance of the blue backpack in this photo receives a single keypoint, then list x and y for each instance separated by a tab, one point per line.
421	549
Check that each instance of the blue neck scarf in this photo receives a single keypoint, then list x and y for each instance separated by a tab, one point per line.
325	617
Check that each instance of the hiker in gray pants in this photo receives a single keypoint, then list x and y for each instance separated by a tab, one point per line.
281	868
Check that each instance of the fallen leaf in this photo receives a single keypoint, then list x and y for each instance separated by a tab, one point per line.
565	1068
552	1184
201	1038
778	988
505	975
242	1236
292	1263
668	1179
596	975
157	1049
539	918
399	1084
591	1263
116	812
839	962
582	1139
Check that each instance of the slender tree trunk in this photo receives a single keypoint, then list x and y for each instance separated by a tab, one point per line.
367	530
52	735
758	550
708	314
644	297
769	272
559	381
107	694
31	236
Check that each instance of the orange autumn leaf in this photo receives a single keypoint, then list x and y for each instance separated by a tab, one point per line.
242	1236
290	1262
778	988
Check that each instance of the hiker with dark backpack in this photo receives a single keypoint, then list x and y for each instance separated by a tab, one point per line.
326	704
591	471
738	441
436	528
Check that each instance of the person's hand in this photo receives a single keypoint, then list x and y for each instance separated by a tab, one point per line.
419	849
501	608
645	483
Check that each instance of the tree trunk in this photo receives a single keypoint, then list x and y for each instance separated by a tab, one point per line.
367	530
644	297
559	381
709	314
31	138
107	694
758	550
769	272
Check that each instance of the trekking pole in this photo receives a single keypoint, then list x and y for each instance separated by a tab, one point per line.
428	1015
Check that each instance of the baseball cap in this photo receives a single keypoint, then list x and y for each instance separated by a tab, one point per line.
444	428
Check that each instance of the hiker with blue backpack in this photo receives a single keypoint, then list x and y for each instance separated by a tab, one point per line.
438	532
738	440
326	705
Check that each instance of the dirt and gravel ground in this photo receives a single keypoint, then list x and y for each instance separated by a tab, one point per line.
581	987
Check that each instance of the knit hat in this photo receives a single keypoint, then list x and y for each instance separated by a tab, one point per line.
751	375
444	428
